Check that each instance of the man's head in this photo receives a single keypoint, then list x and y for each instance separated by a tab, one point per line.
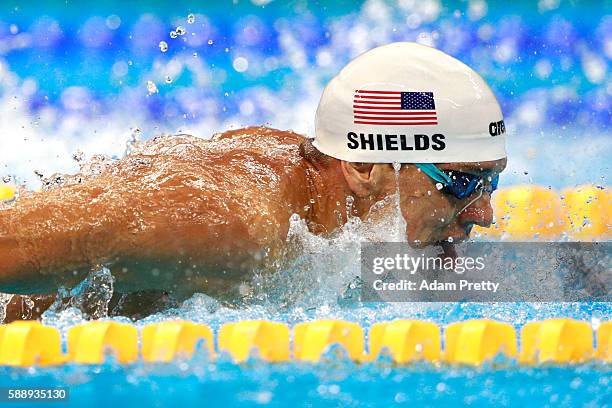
412	104
432	213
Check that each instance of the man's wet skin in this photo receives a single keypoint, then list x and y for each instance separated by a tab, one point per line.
187	215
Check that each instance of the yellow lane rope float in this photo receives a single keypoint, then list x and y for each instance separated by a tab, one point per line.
471	342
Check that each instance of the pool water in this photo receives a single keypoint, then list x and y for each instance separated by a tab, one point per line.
336	381
329	384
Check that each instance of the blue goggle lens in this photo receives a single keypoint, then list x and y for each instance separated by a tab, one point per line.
464	184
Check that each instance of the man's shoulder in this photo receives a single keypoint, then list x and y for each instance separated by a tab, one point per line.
260	134
259	143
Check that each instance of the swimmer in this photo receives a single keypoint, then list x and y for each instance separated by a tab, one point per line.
185	215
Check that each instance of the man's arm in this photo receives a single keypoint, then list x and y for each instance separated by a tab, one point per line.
160	222
134	305
53	238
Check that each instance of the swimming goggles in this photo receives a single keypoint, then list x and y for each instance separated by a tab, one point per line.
458	183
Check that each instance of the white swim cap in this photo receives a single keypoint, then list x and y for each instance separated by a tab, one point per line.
409	103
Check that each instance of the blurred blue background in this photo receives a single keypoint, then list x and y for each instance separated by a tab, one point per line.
82	77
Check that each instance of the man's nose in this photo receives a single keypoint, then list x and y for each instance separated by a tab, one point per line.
479	212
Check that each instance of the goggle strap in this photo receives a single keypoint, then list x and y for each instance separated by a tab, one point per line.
435	173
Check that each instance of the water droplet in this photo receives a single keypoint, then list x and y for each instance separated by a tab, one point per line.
180	30
210	42
163	46
595	322
450	239
151	87
39	174
439	186
168	79
78	156
241	64
173	34
113	21
195	54
190	19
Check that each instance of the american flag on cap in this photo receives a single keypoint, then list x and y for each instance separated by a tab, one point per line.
394	108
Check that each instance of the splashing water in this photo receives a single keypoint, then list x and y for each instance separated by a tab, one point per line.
90	298
396	168
151	87
318	270
5	299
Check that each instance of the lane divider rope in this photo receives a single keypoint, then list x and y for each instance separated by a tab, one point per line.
470	342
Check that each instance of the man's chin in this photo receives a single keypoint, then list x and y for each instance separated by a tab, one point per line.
447	246
447	243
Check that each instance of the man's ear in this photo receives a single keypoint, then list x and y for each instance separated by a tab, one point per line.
364	179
